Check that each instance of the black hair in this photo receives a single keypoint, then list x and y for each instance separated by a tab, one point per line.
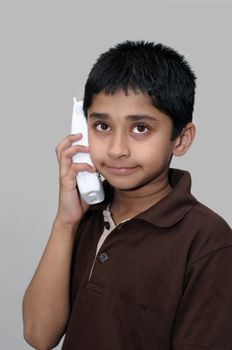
154	69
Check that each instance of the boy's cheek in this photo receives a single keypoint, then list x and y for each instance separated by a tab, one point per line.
96	155
96	147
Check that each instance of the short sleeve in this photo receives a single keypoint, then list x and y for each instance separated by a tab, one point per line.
204	315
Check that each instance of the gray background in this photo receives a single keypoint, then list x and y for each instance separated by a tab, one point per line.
47	48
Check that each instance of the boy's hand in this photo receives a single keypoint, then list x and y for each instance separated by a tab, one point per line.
71	206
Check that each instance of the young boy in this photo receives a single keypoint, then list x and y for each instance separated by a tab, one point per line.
150	267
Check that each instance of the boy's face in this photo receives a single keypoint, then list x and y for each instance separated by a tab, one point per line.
129	140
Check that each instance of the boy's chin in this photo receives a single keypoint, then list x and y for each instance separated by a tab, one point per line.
127	186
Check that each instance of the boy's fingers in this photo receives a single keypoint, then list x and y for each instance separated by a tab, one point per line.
67	142
65	151
75	168
71	151
65	157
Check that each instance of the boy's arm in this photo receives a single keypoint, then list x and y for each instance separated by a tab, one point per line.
46	300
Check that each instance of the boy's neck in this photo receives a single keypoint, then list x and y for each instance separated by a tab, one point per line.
127	204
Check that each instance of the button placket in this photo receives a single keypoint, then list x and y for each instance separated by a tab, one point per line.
103	256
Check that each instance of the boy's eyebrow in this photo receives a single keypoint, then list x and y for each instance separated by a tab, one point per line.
99	115
133	117
136	117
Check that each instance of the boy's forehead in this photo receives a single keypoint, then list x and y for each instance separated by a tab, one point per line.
132	103
124	103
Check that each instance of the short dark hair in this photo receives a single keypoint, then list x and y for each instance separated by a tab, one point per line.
154	69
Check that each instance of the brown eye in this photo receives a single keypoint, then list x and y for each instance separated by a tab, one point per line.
140	129
102	127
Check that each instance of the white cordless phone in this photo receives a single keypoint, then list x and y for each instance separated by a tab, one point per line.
89	184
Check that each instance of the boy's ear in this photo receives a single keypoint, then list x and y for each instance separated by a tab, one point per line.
184	140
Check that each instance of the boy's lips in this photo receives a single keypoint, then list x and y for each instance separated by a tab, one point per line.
120	170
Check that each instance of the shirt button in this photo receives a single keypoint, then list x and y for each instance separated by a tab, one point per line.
107	225
103	257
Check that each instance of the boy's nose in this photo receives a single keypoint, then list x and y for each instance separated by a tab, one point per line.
118	146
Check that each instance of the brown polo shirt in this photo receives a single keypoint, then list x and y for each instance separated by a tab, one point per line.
161	280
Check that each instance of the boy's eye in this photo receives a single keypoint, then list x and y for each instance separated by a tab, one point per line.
140	129
101	127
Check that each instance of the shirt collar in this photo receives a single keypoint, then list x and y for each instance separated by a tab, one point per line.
170	209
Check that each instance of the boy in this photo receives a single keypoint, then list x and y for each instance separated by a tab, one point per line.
150	267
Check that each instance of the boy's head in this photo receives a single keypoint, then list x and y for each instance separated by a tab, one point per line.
153	69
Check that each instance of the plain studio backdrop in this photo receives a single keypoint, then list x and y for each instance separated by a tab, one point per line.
47	49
